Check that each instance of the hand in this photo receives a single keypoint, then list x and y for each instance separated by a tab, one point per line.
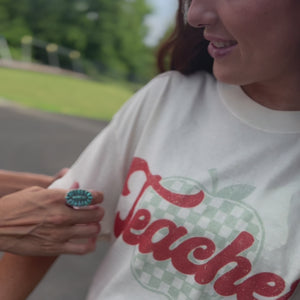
36	222
61	173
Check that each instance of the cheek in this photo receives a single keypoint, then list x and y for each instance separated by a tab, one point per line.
248	21
252	37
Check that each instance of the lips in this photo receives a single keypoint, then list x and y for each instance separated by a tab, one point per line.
219	47
223	44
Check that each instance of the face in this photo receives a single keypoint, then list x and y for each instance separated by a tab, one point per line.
250	40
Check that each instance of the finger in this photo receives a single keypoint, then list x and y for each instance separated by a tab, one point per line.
59	196
97	197
32	189
73	247
61	173
75	185
86	216
84	231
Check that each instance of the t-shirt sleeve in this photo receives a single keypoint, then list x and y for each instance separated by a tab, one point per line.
103	165
98	168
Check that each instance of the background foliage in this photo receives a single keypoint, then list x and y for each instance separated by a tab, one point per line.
108	32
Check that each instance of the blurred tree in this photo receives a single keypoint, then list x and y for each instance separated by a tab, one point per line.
109	32
12	22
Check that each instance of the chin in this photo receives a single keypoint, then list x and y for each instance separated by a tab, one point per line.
227	75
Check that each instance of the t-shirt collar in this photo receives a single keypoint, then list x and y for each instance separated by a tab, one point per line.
254	114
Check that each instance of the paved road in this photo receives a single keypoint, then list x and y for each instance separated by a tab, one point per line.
44	143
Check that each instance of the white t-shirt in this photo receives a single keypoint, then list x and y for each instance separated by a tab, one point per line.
202	194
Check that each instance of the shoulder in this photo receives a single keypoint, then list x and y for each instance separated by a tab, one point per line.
174	85
168	89
177	80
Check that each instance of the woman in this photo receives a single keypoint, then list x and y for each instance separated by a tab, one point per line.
205	169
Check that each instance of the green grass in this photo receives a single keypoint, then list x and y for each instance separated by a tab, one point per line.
63	94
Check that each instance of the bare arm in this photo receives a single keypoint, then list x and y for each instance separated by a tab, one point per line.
19	275
11	182
35	222
44	226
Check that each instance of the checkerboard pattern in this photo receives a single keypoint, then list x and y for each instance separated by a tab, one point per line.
220	220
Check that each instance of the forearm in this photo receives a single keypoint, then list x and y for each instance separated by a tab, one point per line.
19	275
11	182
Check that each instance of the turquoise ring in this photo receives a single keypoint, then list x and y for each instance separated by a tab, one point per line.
79	198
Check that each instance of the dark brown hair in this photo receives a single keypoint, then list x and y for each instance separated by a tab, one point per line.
185	50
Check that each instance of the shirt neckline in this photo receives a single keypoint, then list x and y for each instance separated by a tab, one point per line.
256	115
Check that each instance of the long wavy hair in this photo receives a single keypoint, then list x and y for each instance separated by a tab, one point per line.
186	49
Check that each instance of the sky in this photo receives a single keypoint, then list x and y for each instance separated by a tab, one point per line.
159	21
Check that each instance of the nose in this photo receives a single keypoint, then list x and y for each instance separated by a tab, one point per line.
202	13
